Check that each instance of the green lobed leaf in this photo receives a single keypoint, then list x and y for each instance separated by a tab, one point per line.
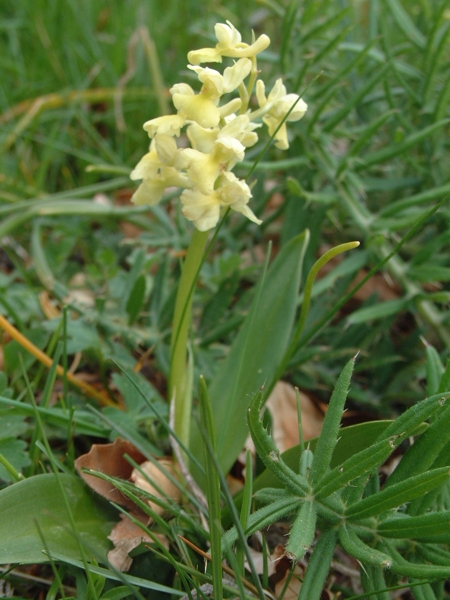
15	453
39	500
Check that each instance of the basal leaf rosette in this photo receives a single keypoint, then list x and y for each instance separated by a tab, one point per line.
219	128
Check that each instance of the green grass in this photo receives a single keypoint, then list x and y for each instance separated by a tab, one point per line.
368	162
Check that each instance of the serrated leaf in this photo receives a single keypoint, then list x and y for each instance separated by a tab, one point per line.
398	494
351	440
427	525
39	500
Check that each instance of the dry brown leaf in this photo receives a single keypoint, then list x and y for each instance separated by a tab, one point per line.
258	562
109	459
126	536
47	306
151	479
282	404
283	571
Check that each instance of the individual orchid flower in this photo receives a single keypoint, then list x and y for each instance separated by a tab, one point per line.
229	44
204	209
239	127
277	104
203	169
157	171
203	107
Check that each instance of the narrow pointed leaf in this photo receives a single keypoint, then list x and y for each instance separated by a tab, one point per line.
269	453
365	554
362	463
426	525
422	454
318	566
302	531
398	494
330	429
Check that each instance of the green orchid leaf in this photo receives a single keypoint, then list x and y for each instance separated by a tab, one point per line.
256	352
36	506
136	299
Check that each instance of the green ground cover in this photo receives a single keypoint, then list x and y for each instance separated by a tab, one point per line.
91	280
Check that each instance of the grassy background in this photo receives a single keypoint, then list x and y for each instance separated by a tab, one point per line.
367	162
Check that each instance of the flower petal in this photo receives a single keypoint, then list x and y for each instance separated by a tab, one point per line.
168	124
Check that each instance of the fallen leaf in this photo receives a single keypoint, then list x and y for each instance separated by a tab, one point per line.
151	478
126	536
110	460
282	404
284	572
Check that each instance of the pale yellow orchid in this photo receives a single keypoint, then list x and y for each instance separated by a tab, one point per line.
157	171
219	132
203	107
275	108
229	44
204	209
203	169
168	124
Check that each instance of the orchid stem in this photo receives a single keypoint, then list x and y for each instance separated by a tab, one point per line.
180	330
